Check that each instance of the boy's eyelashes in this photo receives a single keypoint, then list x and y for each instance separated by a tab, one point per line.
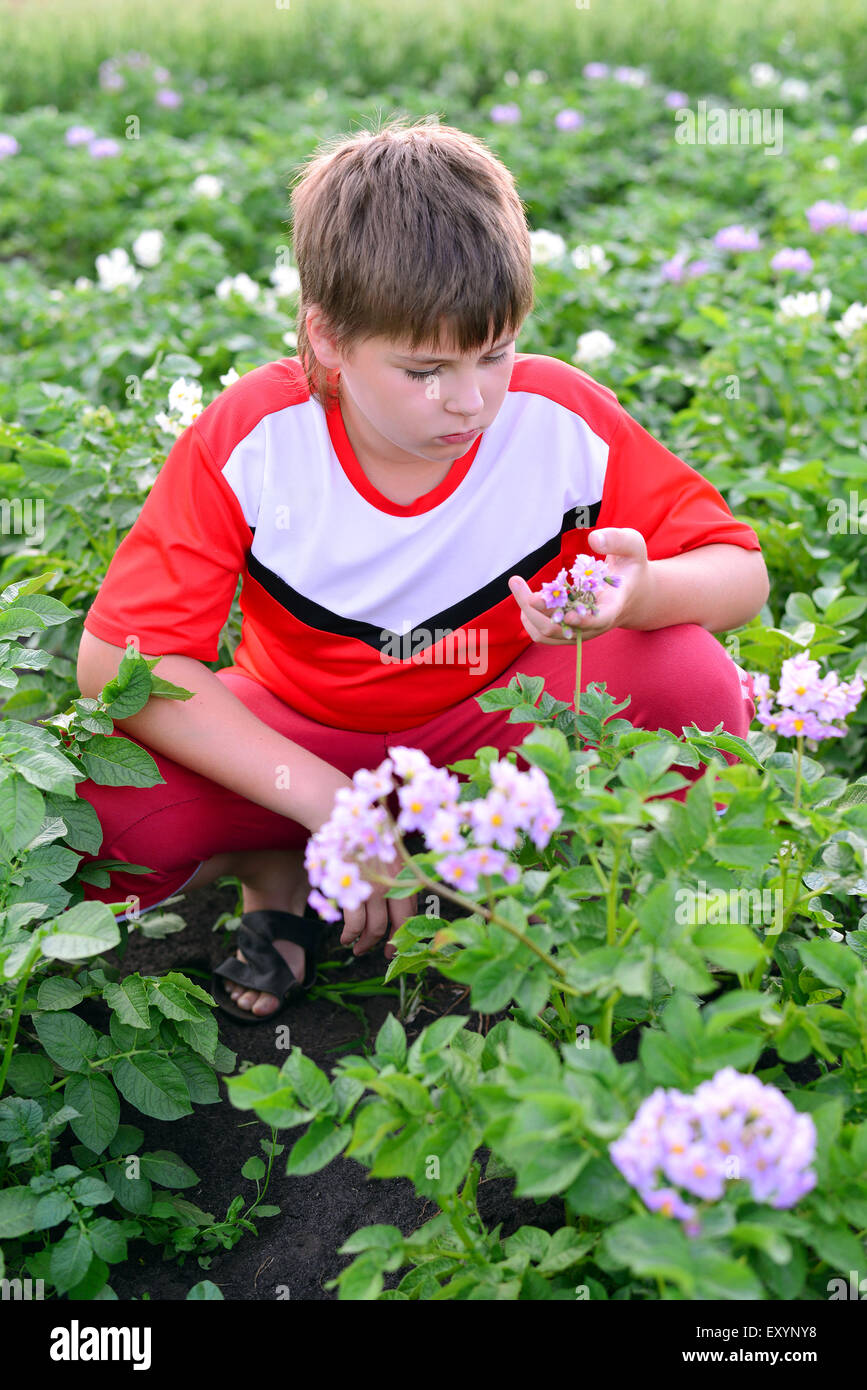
434	371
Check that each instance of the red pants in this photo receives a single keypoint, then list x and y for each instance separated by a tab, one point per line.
675	676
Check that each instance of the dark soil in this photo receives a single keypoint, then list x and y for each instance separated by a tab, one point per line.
295	1253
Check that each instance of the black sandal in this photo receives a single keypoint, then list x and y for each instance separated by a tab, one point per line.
264	968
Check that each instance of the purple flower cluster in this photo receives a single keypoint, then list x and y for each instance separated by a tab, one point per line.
358	828
588	576
824	214
795	258
809	705
733	1128
737	238
506	113
677	268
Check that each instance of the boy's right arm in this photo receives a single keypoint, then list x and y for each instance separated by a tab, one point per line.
216	735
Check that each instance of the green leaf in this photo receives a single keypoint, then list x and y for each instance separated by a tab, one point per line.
108	1239
737	1004
134	1194
732	946
831	961
88	929
166	1169
311	1085
314	1150
129	1001
17	1212
21	811
743	846
83	830
68	1040
30	1074
153	1085
652	1247
254	1169
95	1099
57	993
70	1259
391	1042
264	1089
117	762
199	1077
205	1290
174	1003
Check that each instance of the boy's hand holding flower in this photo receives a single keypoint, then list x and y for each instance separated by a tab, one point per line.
600	596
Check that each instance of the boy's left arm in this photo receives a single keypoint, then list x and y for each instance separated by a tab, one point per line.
717	586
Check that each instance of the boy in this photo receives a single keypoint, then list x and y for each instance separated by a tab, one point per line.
394	498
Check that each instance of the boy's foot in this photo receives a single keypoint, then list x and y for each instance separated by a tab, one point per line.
259	1002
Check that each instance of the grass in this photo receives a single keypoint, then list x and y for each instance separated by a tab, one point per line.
52	48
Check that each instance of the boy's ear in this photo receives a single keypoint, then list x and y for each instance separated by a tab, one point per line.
320	339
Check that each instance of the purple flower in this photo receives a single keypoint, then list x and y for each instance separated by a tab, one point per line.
103	148
577	591
506	113
858	220
167	97
698	268
568	119
810	706
80	135
793	258
675	100
8	145
594	70
824	214
357	830
673	269
737	238
161	75
732	1128
111	81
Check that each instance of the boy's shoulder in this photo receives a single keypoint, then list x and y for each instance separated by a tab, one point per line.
237	410
569	387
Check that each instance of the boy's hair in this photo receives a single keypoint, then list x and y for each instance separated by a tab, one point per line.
408	232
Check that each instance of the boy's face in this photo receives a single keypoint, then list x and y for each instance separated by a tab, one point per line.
398	418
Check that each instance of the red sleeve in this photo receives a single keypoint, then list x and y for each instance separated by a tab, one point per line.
673	505
172	579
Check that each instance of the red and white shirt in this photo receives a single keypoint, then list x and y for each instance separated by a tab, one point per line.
367	614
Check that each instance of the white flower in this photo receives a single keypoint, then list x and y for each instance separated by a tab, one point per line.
290	339
536	77
189	412
854	319
830	162
805	304
511	78
269	301
239	284
590	257
82	283
763	75
285	279
793	89
230	376
546	246
183	393
318	95
207	186
165	423
859	135
593	346
148	248
116	269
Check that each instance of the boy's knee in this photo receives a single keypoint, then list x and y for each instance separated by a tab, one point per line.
700	683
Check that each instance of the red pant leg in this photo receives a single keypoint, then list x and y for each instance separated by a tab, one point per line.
175	825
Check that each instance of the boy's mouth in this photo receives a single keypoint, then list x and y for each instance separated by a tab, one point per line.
459	438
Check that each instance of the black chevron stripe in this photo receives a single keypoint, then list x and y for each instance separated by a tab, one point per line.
425	634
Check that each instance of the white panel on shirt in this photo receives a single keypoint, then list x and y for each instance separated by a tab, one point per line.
537	461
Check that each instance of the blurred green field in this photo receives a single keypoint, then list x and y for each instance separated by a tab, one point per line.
51	48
